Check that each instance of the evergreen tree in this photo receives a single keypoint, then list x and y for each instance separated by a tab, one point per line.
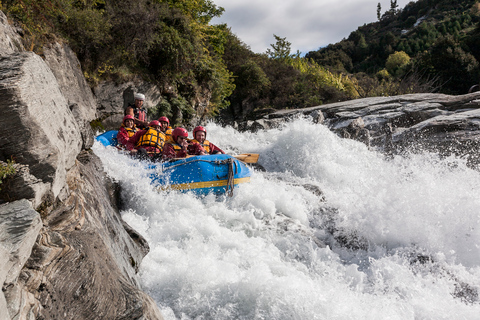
379	11
281	48
393	6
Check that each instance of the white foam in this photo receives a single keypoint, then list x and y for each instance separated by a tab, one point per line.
256	255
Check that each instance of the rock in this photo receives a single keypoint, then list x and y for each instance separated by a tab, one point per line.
65	66
10	41
47	138
113	122
23	185
113	98
19	228
356	130
84	262
413	122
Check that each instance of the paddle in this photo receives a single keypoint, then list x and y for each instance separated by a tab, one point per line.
245	157
248	157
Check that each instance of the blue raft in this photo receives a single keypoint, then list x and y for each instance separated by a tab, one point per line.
218	174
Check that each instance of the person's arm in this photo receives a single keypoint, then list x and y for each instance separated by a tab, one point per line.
122	136
129	111
168	152
214	149
134	139
141	124
195	149
181	154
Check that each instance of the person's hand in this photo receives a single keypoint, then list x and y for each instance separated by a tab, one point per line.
182	142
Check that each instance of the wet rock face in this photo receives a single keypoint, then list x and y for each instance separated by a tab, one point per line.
86	256
66	68
79	261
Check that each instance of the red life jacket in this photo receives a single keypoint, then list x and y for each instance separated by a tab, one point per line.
140	114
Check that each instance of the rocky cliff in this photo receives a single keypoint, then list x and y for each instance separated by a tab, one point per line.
67	254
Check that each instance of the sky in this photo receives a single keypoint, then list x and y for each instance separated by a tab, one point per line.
308	24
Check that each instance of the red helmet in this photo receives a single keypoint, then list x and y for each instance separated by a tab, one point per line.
179	132
164	119
128	117
154	123
199	128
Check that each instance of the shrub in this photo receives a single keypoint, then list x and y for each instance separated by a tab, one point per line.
6	169
396	63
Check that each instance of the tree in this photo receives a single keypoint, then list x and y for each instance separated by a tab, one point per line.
393	6
396	63
281	49
379	11
451	64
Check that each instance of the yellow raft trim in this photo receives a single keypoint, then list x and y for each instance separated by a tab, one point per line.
203	184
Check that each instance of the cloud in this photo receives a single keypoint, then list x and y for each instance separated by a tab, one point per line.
307	25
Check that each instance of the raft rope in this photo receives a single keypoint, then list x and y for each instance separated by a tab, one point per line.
231	178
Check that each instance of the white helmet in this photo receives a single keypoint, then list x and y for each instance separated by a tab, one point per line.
139	96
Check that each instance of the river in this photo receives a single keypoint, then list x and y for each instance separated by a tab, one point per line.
331	230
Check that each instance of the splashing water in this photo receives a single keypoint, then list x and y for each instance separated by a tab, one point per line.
331	230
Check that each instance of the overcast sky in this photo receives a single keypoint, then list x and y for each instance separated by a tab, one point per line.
307	24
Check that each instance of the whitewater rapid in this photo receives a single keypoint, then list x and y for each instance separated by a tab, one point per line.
331	230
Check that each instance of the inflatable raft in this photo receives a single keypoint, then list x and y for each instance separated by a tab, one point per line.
218	174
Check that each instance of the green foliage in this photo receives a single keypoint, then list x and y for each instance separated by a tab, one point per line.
281	48
97	125
7	169
397	62
252	78
397	31
164	108
167	42
448	61
383	75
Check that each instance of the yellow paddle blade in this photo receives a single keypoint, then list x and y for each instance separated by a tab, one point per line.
248	157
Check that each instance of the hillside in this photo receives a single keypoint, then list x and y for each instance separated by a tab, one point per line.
206	71
438	39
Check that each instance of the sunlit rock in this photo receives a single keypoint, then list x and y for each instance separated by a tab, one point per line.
19	228
10	41
36	128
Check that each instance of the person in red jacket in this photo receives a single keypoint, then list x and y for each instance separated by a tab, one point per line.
179	146
199	136
126	131
166	129
147	143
